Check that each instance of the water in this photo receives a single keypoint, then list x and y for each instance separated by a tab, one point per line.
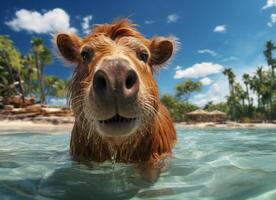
207	164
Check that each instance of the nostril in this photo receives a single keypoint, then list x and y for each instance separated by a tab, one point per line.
131	79
99	82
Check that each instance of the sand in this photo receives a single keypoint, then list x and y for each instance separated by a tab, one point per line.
227	125
11	126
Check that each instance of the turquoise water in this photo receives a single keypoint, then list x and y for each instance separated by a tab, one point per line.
207	164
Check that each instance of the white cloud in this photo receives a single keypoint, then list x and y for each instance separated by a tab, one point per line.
172	18
269	4
219	89
215	89
231	58
86	26
208	51
272	20
220	29
206	81
199	70
35	22
149	22
214	94
177	67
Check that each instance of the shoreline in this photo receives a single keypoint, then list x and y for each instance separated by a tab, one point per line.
228	125
11	126
48	126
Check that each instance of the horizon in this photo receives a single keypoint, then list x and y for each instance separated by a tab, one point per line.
234	35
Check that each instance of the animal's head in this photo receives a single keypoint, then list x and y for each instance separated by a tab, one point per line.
113	88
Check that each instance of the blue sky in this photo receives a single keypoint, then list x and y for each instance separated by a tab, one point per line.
214	34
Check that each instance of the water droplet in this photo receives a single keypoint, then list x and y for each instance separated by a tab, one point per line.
113	153
113	159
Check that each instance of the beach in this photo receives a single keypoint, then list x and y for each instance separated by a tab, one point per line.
229	125
11	126
59	126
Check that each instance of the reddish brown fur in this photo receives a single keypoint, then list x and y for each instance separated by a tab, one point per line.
157	136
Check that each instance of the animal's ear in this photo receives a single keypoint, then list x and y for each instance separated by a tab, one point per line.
69	46
162	49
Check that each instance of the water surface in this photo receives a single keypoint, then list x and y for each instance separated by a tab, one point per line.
207	164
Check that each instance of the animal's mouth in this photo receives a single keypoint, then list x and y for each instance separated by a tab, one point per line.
118	125
118	119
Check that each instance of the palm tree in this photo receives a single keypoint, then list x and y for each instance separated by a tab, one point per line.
231	80
268	54
29	62
45	58
37	46
246	80
258	84
42	57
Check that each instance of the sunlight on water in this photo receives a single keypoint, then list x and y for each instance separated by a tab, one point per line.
207	164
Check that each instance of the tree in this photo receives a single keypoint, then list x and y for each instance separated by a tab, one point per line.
42	57
55	86
246	81
11	61
210	106
29	63
184	89
268	52
269	48
176	107
37	47
231	99
46	58
6	88
231	78
240	96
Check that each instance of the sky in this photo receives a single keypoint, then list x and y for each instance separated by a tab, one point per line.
213	34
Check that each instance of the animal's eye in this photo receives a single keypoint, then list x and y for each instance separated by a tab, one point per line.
143	55
86	54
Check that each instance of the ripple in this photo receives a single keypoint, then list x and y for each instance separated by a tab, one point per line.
206	164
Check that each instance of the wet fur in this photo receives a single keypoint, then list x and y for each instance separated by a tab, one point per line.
152	141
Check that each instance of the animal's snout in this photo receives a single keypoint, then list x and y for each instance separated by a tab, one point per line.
116	80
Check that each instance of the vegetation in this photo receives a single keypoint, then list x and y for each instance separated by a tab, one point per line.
184	89
24	74
176	107
179	105
261	83
240	104
223	107
255	99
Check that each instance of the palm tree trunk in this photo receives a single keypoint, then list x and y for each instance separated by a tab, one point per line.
21	89
41	84
247	94
233	103
30	82
259	101
38	71
249	101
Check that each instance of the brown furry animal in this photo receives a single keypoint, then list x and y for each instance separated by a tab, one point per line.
114	95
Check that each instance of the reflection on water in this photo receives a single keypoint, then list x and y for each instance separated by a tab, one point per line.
207	164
